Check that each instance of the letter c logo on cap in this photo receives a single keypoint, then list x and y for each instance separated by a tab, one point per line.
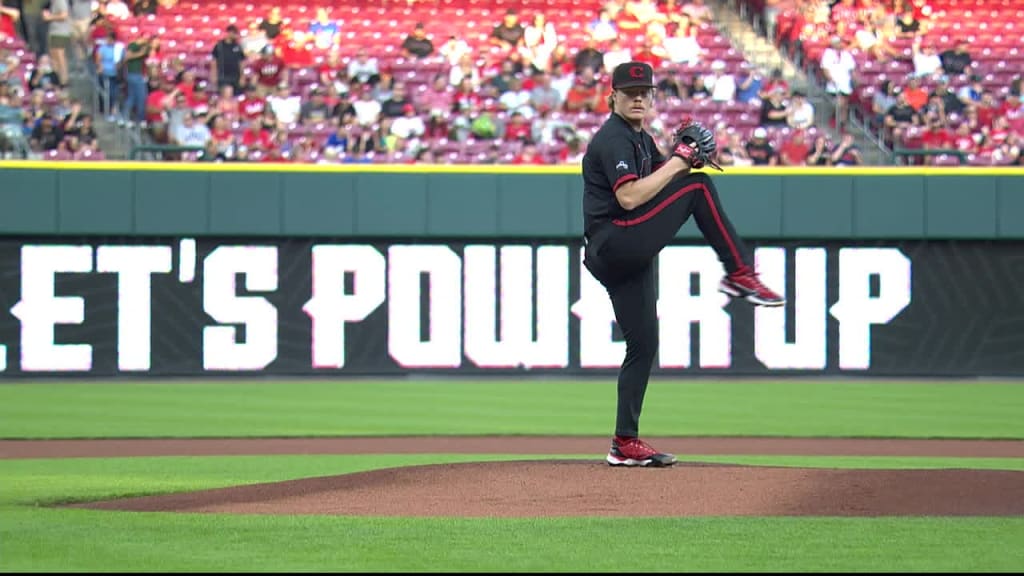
636	71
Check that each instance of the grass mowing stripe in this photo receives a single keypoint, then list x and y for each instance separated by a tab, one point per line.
347	408
144	542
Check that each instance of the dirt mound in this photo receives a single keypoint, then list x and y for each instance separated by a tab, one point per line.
591	488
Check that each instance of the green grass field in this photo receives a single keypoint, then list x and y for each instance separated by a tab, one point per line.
35	537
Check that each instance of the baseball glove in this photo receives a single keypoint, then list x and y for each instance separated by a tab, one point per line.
700	139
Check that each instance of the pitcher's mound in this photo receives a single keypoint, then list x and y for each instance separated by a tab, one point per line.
589	488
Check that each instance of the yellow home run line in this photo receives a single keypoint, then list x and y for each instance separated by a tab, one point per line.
495	169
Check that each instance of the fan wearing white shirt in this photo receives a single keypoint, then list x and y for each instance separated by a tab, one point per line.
190	132
367	109
801	112
285	105
838	65
721	85
926	59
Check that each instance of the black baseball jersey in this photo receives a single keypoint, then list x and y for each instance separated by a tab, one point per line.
617	154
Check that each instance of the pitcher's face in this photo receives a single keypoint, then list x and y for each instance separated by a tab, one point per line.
633	104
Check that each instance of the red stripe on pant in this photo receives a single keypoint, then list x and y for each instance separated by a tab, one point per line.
676	196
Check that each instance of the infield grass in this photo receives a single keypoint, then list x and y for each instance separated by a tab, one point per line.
961	409
35	538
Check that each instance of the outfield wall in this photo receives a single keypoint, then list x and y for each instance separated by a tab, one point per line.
157	199
98	300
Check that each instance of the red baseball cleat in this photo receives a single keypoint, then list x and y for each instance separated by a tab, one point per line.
636	452
744	283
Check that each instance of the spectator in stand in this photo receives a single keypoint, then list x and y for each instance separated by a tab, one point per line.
228	57
617	54
43	76
315	110
252	103
516	99
454	50
748	87
589	57
59	17
951	103
518	129
957	60
819	154
324	31
108	60
367	108
544	96
682	46
270	70
964	140
586	94
603	28
901	116
509	33
871	40
774	110
192	132
256	137
332	73
987	109
416	43
720	84
385	85
651	51
845	18
935	136
47	134
882	100
915	95
136	78
395	106
499	83
118	10
846	152
270	27
157	103
528	155
286	106
760	150
641	16
907	25
363	69
408	127
837	64
35	26
539	42
734	152
145	7
800	112
9	16
697	11
772	82
295	48
795	151
970	93
671	86
466	70
926	60
222	138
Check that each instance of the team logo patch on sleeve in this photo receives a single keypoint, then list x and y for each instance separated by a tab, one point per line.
622	166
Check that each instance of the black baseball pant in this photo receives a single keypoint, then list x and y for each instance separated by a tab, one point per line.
620	254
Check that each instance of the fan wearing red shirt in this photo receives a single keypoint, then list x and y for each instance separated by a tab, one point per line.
257	137
528	155
297	52
7	16
270	71
936	137
252	106
795	151
518	129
